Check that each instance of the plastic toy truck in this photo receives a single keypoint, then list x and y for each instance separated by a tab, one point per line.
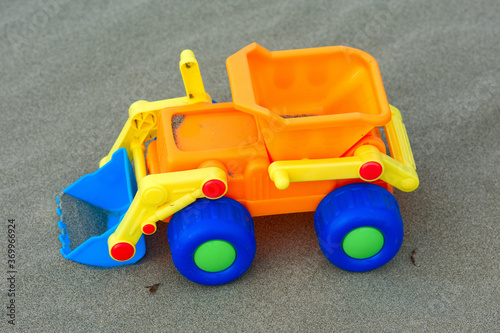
302	134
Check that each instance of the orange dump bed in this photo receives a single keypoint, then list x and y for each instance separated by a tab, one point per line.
309	103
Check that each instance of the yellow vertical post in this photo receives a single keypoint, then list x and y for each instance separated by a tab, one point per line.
195	91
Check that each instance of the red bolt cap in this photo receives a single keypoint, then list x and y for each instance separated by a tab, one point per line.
149	229
122	251
214	188
370	170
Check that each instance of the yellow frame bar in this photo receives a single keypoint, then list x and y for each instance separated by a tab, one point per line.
399	145
399	171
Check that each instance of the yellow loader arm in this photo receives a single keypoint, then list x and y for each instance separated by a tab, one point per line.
158	197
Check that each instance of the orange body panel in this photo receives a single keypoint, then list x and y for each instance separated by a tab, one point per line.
205	135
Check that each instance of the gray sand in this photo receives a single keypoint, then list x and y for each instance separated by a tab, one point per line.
71	69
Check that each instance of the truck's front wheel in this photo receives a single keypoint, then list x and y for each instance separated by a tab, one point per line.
212	241
359	227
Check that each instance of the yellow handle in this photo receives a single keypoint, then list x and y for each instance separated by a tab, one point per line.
195	91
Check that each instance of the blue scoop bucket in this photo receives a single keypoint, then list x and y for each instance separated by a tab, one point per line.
90	210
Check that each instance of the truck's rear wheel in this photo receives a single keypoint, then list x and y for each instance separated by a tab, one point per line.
359	227
212	241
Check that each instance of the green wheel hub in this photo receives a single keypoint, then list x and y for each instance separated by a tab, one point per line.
214	256
362	243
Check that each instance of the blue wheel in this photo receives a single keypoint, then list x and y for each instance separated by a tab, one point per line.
212	241
359	227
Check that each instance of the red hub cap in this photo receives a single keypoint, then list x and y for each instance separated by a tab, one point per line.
148	229
122	251
370	170
214	188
